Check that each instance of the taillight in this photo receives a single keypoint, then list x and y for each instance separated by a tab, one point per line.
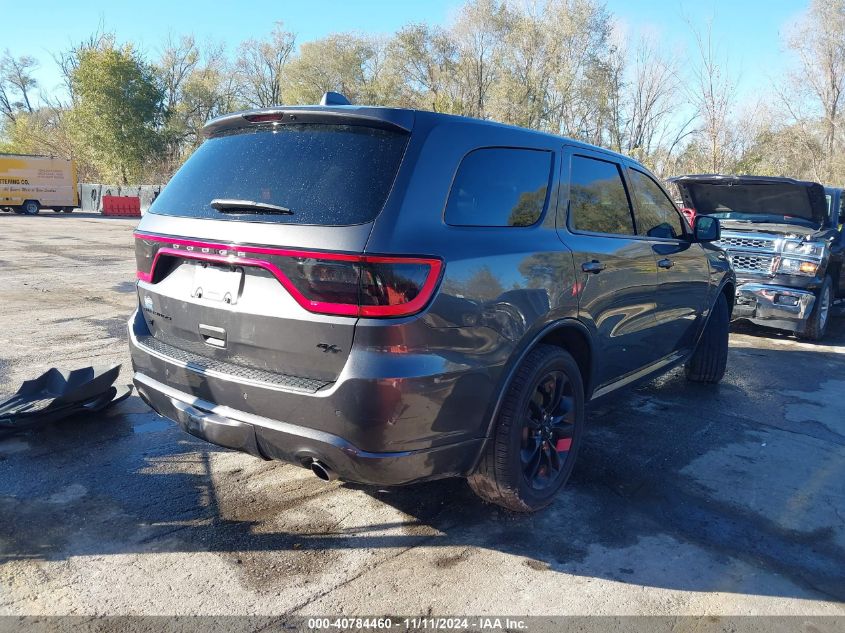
324	283
396	287
363	285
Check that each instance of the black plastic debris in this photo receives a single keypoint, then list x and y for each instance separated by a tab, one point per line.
58	394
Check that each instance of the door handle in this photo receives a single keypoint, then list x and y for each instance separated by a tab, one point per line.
594	267
665	263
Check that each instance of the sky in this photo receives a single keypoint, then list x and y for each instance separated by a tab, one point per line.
748	32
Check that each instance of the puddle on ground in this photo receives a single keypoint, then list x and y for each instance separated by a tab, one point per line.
14	445
68	494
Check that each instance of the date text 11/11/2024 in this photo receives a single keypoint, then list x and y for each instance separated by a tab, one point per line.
418	623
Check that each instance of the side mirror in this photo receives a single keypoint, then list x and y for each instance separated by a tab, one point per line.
706	229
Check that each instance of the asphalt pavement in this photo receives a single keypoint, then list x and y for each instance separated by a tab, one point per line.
687	499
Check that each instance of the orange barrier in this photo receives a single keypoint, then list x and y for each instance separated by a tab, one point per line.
127	206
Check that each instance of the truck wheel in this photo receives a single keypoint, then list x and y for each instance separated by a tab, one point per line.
820	317
708	362
31	207
537	436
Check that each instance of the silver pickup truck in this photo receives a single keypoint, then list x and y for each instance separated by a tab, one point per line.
784	240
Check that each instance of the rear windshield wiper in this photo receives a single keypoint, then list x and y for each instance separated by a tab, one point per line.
228	205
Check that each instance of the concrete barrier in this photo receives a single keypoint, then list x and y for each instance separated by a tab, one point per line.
91	195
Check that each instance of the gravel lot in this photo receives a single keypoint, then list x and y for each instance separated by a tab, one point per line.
686	500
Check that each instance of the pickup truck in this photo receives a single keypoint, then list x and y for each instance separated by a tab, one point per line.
785	242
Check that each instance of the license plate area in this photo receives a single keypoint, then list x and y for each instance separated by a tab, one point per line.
214	283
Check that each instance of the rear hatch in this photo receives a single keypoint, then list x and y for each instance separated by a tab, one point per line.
251	259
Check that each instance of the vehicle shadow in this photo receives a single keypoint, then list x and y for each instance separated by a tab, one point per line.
677	484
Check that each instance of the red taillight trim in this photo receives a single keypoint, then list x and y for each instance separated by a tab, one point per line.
319	307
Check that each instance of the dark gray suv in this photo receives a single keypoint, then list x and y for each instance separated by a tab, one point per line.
387	296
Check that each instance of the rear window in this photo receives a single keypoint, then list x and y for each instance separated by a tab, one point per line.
500	186
325	174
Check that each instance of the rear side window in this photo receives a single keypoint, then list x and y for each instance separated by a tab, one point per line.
598	202
655	213
500	186
325	174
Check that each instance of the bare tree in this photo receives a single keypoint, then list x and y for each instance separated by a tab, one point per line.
7	107
819	43
480	33
712	92
653	98
16	79
178	60
68	62
260	65
578	32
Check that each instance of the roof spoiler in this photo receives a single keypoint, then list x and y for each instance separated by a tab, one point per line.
330	111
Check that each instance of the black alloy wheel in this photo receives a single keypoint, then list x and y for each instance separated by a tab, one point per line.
549	426
537	434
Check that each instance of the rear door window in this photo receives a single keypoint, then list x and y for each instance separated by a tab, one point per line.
598	202
499	186
655	213
325	174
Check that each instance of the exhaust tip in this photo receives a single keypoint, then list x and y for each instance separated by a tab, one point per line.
322	471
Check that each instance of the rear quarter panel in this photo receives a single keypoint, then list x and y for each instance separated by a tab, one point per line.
500	285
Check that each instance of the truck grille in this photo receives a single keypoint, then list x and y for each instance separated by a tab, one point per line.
730	241
204	364
752	263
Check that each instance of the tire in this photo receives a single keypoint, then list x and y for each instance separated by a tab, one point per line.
31	207
820	317
543	409
708	362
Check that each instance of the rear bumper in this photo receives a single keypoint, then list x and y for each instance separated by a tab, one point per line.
774	306
271	439
368	430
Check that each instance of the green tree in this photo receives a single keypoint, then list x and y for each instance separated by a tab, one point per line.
345	62
117	112
199	84
424	59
